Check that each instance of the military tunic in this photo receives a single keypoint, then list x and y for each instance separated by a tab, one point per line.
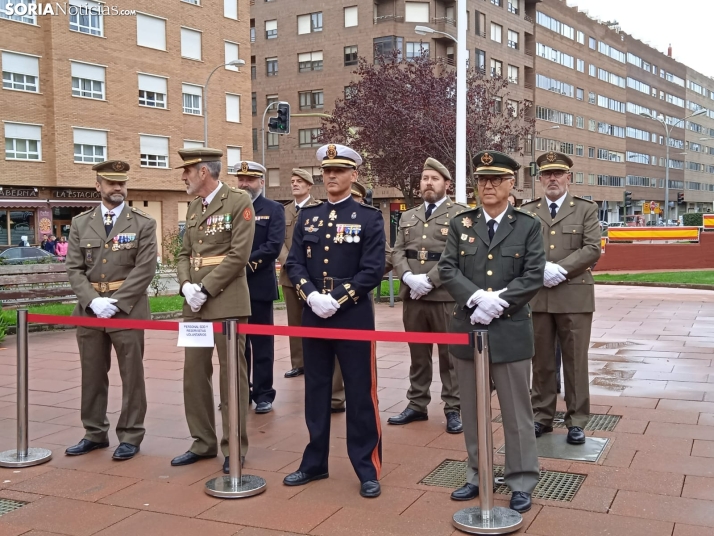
513	260
571	240
418	249
126	255
339	249
208	236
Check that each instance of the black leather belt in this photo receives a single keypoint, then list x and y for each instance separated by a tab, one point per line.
329	283
423	255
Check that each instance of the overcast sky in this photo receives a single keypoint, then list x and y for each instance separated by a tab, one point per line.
687	24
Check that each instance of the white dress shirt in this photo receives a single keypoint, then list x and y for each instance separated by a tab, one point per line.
497	218
213	194
558	202
115	211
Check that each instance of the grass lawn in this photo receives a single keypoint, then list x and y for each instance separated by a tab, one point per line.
691	278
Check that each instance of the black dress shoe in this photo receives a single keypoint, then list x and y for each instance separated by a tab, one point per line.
125	451
298	478
465	493
576	436
407	416
520	501
227	467
85	446
453	423
337	410
370	489
541	429
294	373
188	458
263	407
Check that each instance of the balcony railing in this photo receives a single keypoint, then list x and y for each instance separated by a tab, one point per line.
528	18
444	20
389	18
448	60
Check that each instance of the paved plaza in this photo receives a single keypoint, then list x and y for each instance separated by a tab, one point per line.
655	477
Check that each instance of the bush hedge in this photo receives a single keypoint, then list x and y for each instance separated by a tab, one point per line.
693	219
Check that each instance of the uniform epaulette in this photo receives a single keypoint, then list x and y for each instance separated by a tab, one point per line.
84	213
370	206
532	201
527	213
237	190
317	203
583	199
139	212
470	209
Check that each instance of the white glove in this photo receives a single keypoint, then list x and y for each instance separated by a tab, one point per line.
480	317
554	274
418	283
104	307
323	305
194	297
490	302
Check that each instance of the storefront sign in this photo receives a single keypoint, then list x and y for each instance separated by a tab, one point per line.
76	194
18	193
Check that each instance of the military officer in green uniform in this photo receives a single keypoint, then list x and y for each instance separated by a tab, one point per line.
427	304
492	266
220	224
111	261
563	309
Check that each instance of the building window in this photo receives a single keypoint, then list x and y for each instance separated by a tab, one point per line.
255	139
579	94
27	18
252	30
592	43
86	17
480	24
579	150
351	55
513	6
88	80
385	46
513	107
513	39
591	152
23	142
351	16
152	91
496	30
273	142
350	91
581	66
579	177
310	61
254	103
271	29
231	52
513	74
416	12
414	50
498	105
496	67
591	98
230	9
190	44
579	123
253	68
271	66
480	60
308	137
498	3
192	99
154	151
90	146
274	177
233	157
150	31
309	23
20	72
232	108
311	99
592	125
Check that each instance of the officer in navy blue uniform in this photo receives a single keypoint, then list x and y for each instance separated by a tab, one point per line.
262	283
336	260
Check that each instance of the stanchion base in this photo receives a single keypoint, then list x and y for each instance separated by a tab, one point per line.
35	456
224	488
502	521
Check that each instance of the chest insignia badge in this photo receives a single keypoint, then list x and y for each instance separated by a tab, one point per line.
445	231
333	215
471	240
464	237
354	216
466	222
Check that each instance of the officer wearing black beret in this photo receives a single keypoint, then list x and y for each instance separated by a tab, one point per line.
336	260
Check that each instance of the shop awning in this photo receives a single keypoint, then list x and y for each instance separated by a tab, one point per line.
89	203
23	203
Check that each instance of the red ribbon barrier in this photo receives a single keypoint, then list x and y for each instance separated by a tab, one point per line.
257	329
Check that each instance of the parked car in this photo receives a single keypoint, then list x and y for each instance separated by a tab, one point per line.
618	224
20	255
604	225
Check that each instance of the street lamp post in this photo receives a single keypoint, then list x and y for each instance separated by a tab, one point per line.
233	63
533	178
668	130
460	160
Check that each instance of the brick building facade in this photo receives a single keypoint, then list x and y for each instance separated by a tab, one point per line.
79	88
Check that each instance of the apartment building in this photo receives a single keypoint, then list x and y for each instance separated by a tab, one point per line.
590	83
85	86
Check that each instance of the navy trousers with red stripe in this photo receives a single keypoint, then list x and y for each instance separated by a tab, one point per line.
359	371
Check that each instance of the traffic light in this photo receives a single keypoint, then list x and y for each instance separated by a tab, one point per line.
680	198
628	199
534	169
280	124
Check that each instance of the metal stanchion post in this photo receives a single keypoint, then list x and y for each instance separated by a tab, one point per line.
391	288
23	456
236	485
486	519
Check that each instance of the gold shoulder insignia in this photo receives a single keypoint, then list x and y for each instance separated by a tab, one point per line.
136	210
84	213
317	203
521	211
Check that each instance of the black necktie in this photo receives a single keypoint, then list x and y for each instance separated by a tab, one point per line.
553	210
491	229
108	222
429	210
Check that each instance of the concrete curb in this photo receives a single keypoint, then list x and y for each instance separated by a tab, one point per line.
660	285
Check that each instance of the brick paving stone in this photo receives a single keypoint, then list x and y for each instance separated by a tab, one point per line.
629	479
689	431
697	487
656	415
703	448
157	524
562	522
255	531
161	497
663	508
619	456
358	522
686	405
668	463
690	530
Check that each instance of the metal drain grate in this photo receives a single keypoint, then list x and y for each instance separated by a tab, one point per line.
598	421
8	505
552	485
